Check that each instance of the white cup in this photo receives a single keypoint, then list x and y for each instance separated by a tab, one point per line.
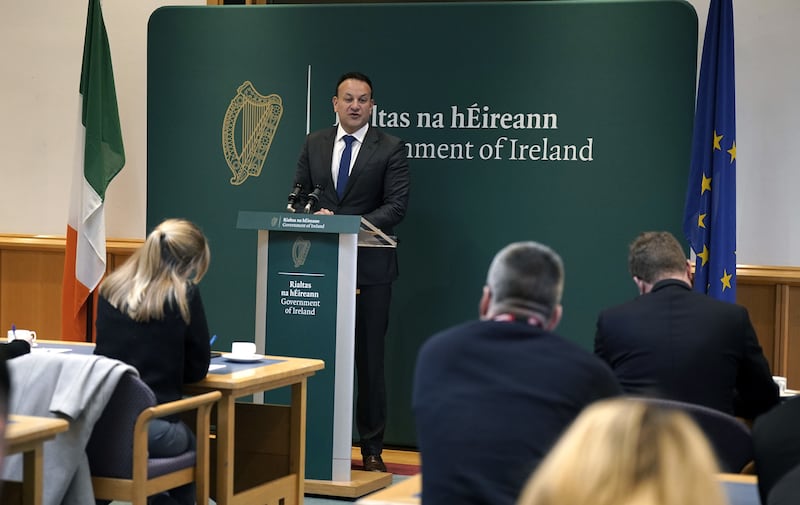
28	336
781	382
243	348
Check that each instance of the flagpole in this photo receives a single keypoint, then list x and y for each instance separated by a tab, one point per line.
90	317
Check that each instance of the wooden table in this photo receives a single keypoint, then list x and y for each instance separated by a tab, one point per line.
27	434
259	453
740	489
408	492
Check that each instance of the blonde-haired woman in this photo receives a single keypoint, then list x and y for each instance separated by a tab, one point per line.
627	452
150	315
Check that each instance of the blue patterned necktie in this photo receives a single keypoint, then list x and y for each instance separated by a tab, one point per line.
344	165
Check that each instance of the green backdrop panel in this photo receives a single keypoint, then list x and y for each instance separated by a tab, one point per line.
600	93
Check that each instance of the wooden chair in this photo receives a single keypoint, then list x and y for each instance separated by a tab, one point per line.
117	449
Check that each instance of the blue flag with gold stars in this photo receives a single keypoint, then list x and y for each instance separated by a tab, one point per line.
709	221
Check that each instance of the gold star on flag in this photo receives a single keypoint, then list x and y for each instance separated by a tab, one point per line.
705	185
717	138
732	152
701	220
726	280
703	256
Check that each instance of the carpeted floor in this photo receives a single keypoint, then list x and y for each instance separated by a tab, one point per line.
399	472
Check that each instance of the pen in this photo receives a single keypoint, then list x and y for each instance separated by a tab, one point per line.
213	339
14	331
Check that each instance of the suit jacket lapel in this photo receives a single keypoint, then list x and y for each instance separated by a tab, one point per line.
366	151
327	160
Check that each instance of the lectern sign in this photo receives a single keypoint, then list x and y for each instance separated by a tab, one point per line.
305	306
301	291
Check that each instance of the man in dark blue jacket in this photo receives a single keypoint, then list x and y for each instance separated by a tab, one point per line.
492	396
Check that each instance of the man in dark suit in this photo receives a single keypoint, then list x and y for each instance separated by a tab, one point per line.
776	446
362	171
490	397
675	343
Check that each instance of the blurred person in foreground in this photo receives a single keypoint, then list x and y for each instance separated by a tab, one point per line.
674	343
491	396
150	315
627	452
776	447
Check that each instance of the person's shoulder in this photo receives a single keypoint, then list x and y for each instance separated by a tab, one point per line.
192	290
446	337
622	309
321	134
105	307
571	350
13	349
582	363
708	302
456	330
786	412
382	136
569	346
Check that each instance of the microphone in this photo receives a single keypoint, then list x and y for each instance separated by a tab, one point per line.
313	198
293	197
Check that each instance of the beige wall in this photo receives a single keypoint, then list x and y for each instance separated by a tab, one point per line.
41	45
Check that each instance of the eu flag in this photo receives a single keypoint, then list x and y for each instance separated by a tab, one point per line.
709	221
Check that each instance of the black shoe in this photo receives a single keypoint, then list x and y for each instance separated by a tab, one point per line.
374	463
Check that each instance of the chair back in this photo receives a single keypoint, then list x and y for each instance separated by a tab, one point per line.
729	437
118	454
110	448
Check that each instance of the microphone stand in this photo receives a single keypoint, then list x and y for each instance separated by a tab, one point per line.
298	188
313	199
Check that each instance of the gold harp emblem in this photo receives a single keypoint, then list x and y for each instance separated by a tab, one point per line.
300	250
247	131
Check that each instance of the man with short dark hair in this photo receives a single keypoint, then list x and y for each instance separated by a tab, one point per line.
675	343
490	397
362	171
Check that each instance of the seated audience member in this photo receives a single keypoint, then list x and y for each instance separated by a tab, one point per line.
787	490
491	396
776	445
675	343
627	452
150	315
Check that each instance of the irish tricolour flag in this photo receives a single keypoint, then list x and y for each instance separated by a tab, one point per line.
103	157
